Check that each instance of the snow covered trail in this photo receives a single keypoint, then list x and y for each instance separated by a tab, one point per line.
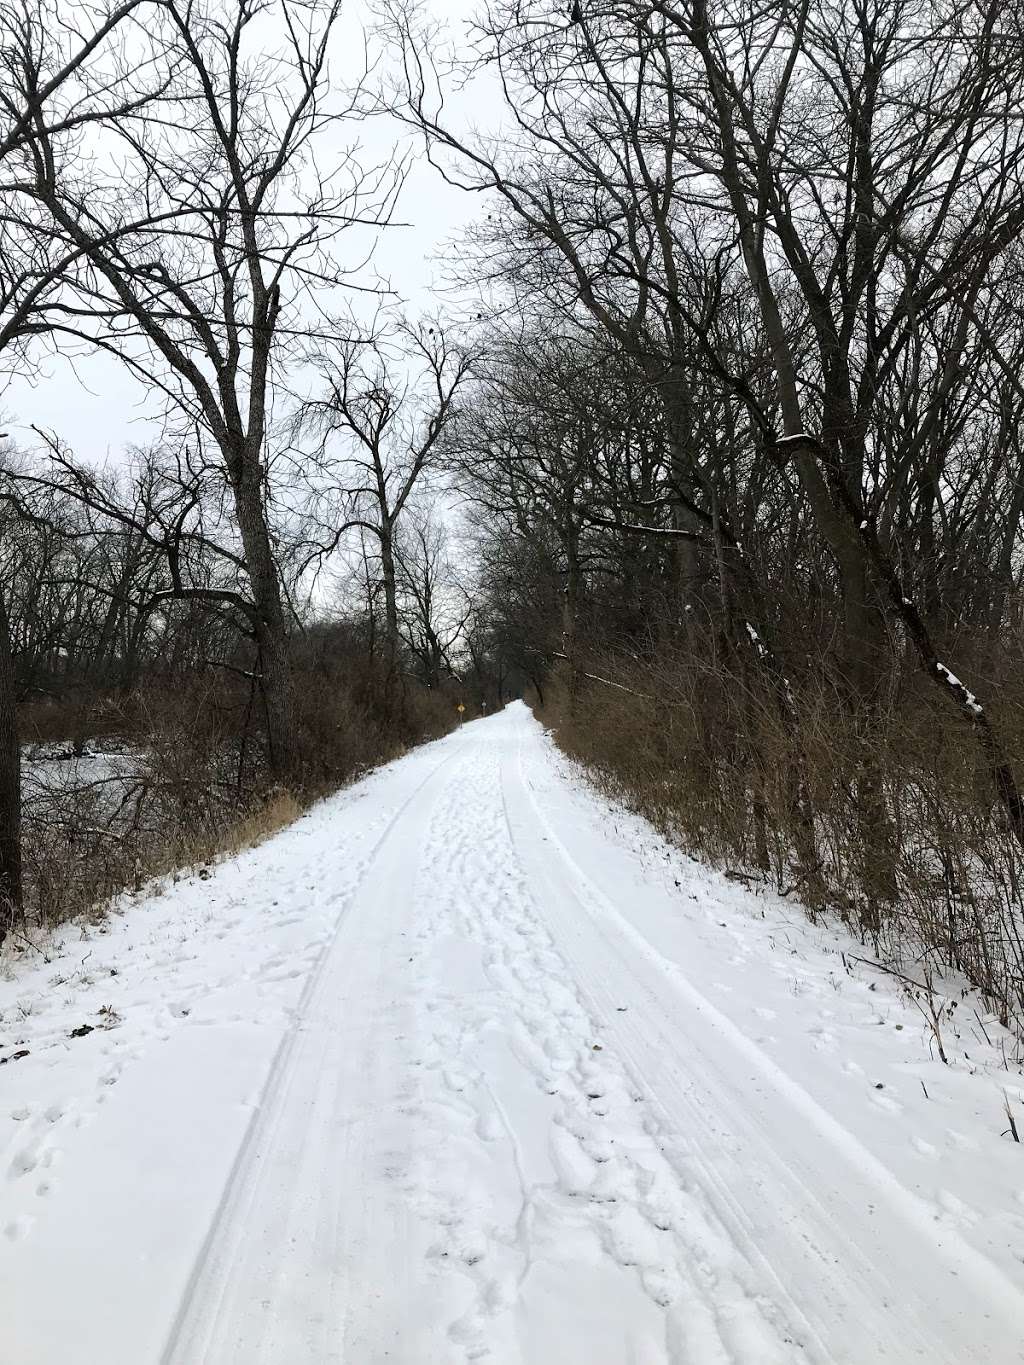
468	1065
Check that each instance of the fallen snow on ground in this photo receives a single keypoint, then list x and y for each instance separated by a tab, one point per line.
469	1065
55	779
56	767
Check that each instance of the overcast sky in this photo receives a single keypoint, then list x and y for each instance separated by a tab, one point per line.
96	407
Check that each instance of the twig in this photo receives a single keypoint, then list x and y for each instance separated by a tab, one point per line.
1009	1114
15	932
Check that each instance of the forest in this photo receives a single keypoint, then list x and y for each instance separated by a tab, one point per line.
710	447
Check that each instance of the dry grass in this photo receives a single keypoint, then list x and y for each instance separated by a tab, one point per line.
75	868
193	788
277	812
196	849
923	866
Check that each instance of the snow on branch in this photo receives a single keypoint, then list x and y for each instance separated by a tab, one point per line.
962	692
621	687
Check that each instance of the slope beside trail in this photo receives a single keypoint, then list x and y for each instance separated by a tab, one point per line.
468	1065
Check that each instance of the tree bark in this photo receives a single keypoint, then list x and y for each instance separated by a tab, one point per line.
570	621
389	575
10	786
271	632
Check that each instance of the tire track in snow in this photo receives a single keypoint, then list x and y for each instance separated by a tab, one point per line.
201	1317
858	1247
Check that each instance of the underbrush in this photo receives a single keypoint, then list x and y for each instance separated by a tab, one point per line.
907	845
185	781
70	721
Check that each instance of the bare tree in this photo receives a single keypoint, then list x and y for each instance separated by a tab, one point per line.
60	74
650	141
212	250
524	453
433	607
385	406
10	783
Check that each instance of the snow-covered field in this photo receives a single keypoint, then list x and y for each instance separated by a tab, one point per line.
468	1065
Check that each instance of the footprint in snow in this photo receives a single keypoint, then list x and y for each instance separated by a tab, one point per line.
24	1163
961	1140
488	1128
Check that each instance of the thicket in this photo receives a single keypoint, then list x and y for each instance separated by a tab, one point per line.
126	784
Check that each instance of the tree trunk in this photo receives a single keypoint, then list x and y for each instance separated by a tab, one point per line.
678	407
904	610
864	628
866	664
271	635
10	786
570	619
388	573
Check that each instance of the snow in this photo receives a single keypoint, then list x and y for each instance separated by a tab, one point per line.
952	681
57	782
469	1065
762	653
47	769
756	640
